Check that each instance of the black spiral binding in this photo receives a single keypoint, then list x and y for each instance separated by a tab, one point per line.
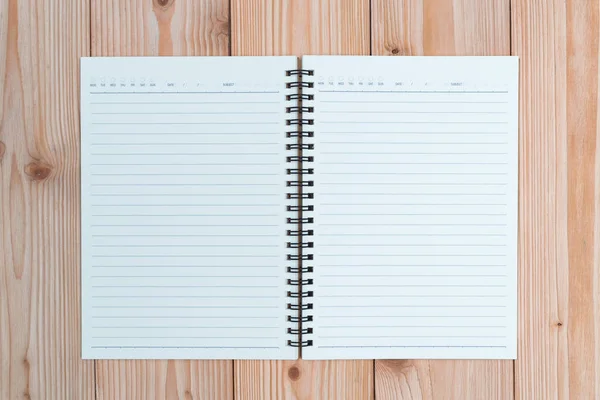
300	206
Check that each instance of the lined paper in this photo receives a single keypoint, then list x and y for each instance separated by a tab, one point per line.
416	207
183	207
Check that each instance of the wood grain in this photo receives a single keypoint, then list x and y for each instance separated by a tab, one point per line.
279	27
443	379
160	27
158	379
442	27
39	200
302	379
559	294
559	255
150	28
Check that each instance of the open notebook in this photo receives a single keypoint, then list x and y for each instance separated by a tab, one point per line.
249	208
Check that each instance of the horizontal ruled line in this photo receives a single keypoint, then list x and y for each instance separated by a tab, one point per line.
185	286
415	183
411	306
183	184
415	214
412	316
185	337
182	245
415	337
413	153
413	102
174	317
183	225
412	194
411	173
412	296
415	122
389	347
190	235
186	205
186	113
184	347
184	266
413	234
414	163
412	276
184	297
411	112
184	215
388	255
411	326
183	276
410	133
406	245
182	307
416	204
186	194
414	266
182	327
185	144
179	256
182	102
183	154
416	91
170	133
396	285
184	174
416	143
181	164
180	93
420	224
185	123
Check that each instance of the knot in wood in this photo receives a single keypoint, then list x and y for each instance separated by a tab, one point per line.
397	50
164	4
222	28
2	150
38	171
294	373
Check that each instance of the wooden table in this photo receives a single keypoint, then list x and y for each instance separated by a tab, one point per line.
559	239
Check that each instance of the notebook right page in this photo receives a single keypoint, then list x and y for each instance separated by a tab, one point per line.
415	186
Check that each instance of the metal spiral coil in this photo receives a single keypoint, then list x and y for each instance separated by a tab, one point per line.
300	208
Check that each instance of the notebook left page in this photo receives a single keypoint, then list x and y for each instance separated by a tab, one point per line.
183	184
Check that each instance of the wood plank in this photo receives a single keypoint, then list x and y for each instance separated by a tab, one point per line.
161	379
279	27
257	380
160	27
443	379
146	28
40	342
559	332
442	27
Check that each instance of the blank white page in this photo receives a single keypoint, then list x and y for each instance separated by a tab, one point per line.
415	207
183	186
